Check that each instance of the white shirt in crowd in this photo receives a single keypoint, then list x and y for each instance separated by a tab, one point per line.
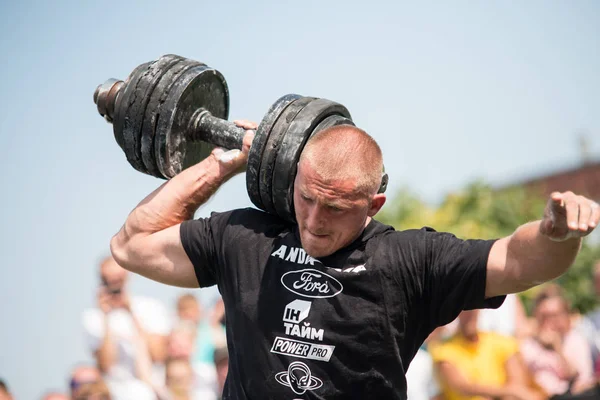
153	317
420	378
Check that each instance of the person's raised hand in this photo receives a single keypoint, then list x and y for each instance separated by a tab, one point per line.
568	215
234	161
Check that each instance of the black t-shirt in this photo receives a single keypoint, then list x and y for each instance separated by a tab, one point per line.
342	327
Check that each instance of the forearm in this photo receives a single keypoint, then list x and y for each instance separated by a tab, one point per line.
106	355
535	258
173	202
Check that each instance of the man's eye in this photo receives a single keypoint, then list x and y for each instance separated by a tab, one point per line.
306	198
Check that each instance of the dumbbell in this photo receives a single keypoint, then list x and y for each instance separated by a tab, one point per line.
170	113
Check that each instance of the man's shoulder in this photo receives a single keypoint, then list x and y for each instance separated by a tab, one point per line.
252	220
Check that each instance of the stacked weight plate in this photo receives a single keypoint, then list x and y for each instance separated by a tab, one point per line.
169	114
154	108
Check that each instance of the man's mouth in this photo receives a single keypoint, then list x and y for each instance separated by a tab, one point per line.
318	234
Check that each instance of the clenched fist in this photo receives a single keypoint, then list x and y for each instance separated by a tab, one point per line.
568	215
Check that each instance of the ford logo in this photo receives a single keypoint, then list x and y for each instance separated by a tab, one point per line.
311	283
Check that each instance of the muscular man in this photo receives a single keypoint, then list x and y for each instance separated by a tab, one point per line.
337	305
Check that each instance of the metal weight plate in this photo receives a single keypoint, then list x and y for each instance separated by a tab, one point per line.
272	147
122	102
332	120
258	145
153	109
132	126
292	144
198	87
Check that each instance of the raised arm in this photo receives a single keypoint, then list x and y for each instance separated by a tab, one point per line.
149	242
542	250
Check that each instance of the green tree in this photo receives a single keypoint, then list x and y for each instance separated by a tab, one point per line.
479	211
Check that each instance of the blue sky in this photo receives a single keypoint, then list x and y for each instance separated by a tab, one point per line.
453	91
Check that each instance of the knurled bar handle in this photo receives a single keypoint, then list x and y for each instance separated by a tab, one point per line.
208	128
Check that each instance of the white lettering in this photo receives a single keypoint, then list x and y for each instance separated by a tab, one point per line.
301	256
296	311
292	254
306	282
280	252
307	332
297	348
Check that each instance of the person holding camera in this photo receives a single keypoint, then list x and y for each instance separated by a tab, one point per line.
116	327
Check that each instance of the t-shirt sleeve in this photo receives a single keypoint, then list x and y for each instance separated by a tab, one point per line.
449	274
456	275
200	239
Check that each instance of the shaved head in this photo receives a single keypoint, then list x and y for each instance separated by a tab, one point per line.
343	153
336	188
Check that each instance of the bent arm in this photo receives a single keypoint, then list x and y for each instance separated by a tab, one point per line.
527	258
149	242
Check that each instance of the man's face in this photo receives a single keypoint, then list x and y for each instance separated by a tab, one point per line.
552	314
330	214
113	277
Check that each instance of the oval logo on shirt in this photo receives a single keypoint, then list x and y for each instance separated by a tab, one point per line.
311	283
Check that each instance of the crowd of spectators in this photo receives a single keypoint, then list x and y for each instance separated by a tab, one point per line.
506	354
143	351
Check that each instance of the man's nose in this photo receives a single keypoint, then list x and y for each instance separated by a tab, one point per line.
316	219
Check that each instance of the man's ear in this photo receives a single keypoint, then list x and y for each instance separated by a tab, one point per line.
377	202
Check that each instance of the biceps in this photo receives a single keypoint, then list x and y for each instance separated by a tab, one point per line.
502	271
160	257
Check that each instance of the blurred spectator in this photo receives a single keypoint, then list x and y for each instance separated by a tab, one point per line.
557	356
93	391
55	396
486	364
82	375
420	378
589	325
4	392
182	380
179	381
510	319
221	360
210	331
115	329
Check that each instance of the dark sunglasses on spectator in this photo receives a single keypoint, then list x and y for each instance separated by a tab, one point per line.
75	384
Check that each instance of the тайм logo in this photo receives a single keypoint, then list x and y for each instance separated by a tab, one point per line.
311	283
